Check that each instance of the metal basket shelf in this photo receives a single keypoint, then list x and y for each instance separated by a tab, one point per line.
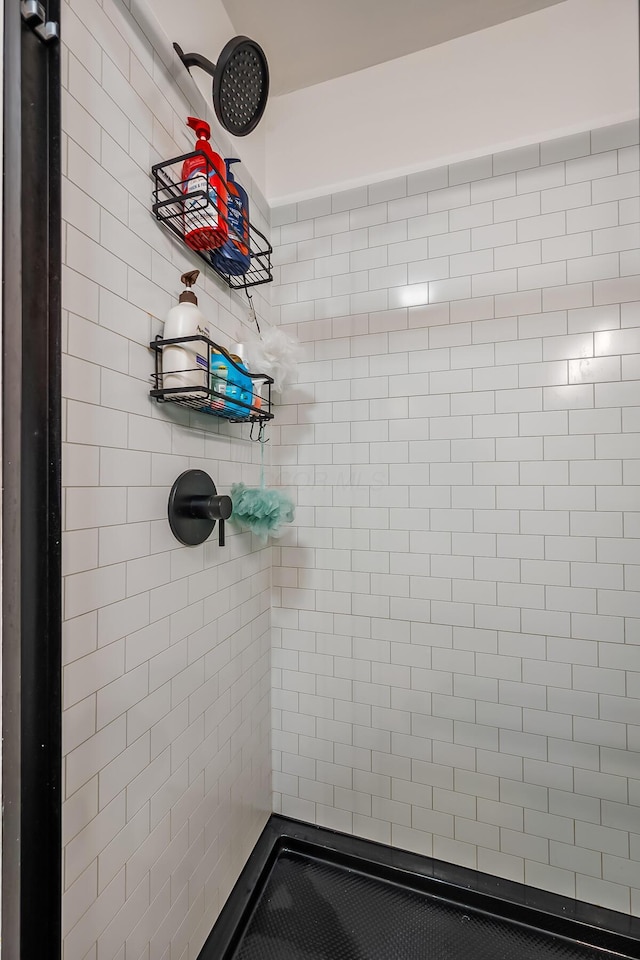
202	394
169	201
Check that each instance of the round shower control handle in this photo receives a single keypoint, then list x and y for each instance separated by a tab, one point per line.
211	508
225	507
195	506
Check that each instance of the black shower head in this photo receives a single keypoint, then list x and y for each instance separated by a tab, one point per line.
240	83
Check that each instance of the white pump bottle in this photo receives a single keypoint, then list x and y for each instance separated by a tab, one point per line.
186	365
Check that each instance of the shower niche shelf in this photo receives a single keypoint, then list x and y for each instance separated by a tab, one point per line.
208	393
169	207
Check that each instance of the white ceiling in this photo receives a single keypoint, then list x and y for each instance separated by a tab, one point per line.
308	41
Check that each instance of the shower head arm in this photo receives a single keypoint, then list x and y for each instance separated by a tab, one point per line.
195	60
240	83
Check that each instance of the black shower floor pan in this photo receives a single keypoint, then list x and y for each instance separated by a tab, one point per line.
311	894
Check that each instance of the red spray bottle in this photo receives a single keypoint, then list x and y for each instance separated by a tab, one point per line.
205	221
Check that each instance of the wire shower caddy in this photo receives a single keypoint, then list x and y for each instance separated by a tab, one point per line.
169	207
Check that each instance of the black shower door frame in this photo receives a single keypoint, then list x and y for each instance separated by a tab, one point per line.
31	491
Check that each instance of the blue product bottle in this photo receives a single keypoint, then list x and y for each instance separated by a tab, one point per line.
234	256
239	387
220	375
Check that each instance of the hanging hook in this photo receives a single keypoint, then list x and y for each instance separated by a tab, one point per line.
260	438
252	310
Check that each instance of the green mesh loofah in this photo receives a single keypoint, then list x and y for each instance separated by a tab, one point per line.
260	510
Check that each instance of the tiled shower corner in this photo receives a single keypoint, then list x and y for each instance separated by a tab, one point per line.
456	611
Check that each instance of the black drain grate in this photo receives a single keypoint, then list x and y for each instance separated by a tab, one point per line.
313	910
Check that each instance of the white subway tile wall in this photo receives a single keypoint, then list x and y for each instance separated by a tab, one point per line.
456	660
166	680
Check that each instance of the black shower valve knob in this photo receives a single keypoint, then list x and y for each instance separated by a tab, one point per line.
195	506
211	508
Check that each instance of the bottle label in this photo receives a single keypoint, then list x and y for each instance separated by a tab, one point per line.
199	213
202	361
236	218
218	386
